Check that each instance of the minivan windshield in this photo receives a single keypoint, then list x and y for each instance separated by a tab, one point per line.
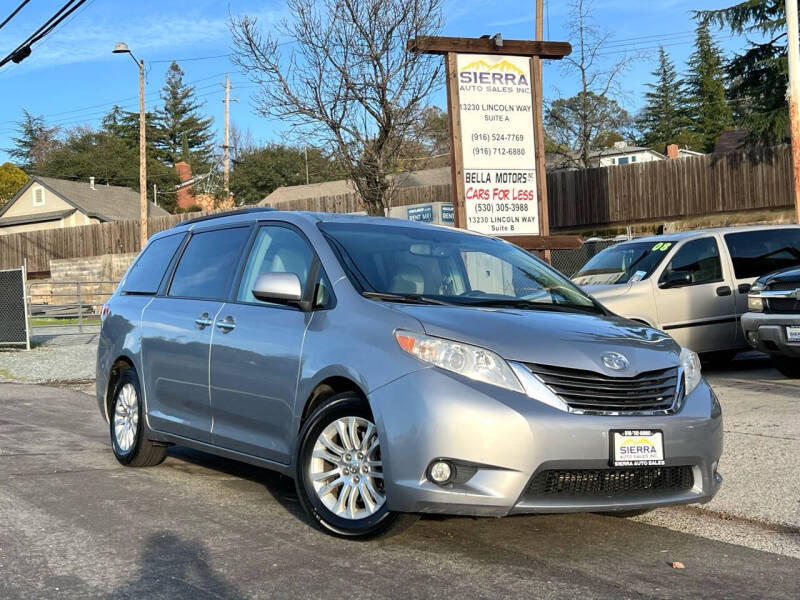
437	266
626	263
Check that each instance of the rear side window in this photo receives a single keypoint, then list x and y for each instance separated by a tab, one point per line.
756	253
146	275
699	260
208	264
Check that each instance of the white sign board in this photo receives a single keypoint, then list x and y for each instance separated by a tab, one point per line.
498	150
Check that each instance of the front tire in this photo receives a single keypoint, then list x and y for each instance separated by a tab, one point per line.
339	471
131	447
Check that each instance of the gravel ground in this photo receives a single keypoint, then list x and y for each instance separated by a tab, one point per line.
50	363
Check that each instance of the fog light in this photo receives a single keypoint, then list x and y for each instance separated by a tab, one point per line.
440	472
751	337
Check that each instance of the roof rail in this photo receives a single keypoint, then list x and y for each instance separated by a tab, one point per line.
227	213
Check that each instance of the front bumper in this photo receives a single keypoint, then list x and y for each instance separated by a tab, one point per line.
767	332
508	438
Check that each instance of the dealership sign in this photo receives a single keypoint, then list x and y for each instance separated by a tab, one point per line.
495	105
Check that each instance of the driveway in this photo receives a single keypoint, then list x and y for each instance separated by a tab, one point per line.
76	524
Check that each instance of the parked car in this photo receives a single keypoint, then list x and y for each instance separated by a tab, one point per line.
692	285
772	324
392	367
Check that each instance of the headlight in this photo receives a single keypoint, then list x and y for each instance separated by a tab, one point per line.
470	361
691	370
755	303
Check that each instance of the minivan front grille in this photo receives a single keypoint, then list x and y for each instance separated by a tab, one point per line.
588	391
609	482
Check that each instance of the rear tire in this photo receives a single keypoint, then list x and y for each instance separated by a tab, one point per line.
339	472
130	446
789	367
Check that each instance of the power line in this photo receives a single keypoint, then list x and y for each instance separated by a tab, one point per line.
22	51
14	13
180	60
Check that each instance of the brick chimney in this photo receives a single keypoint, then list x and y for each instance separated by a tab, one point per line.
185	197
672	151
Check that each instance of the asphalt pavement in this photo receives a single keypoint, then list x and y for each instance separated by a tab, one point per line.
75	524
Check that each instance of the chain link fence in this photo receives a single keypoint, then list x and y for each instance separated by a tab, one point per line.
13	309
569	262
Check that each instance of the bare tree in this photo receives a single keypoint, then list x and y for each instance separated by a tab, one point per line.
575	124
347	84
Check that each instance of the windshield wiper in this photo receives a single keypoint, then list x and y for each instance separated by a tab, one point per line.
530	305
409	298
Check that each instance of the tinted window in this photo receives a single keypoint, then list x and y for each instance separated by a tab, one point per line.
756	253
699	260
145	276
424	263
208	264
276	250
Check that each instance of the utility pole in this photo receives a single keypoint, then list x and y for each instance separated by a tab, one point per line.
142	159
793	94
155	194
226	146
305	151
544	211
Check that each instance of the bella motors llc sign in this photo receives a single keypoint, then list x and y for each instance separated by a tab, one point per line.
497	144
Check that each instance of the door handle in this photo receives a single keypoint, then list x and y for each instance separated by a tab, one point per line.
744	288
723	290
227	324
203	321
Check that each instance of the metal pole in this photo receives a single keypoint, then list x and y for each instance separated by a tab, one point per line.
80	306
142	160
793	94
538	107
226	148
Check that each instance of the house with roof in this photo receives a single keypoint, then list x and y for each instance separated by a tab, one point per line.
49	203
621	153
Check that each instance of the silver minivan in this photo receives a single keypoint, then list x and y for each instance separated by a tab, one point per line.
394	368
692	285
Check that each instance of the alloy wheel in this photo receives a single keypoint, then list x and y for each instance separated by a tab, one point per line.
346	469
126	417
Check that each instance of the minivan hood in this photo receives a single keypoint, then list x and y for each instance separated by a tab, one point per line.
573	340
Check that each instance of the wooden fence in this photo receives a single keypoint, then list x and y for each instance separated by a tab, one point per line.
590	198
671	189
115	237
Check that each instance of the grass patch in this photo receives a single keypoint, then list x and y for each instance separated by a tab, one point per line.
46	321
6	375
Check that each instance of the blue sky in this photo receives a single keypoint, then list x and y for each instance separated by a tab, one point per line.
73	79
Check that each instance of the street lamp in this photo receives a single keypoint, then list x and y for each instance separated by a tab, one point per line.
122	48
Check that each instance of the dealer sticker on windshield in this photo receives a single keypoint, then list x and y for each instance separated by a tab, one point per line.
636	447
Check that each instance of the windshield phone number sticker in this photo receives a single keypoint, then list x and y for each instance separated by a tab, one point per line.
496	109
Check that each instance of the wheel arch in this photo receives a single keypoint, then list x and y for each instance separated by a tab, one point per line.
326	389
120	365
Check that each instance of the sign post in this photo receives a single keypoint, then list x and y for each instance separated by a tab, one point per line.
497	137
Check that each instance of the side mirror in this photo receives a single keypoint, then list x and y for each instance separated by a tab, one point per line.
676	279
280	288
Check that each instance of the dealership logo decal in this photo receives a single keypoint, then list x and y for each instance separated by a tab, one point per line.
494	77
615	361
638	447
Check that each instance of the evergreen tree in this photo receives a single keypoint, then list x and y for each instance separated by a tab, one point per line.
758	78
711	114
663	120
34	140
178	124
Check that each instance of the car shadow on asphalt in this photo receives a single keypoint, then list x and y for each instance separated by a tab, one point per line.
280	487
170	566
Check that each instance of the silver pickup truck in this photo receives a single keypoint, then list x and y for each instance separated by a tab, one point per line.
692	285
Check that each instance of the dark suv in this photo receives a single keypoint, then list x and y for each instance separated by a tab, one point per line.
772	324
